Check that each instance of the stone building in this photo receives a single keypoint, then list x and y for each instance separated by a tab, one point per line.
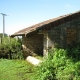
59	31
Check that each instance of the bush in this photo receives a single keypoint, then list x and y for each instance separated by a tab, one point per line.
11	48
46	70
60	65
73	51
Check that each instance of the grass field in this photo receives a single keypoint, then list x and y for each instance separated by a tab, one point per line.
16	70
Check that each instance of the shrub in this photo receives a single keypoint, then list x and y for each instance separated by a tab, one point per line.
11	48
73	51
60	64
46	70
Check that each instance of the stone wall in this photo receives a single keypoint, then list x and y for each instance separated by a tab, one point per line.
72	31
33	44
71	36
60	35
55	37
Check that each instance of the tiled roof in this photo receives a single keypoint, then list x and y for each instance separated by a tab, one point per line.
54	22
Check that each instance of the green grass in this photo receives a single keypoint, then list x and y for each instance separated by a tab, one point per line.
16	70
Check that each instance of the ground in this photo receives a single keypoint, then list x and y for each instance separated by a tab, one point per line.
16	70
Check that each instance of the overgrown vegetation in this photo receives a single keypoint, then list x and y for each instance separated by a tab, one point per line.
61	65
11	48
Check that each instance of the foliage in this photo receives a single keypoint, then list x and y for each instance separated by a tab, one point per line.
60	64
11	48
46	71
1	34
73	51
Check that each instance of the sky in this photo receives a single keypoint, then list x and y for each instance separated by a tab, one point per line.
24	13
